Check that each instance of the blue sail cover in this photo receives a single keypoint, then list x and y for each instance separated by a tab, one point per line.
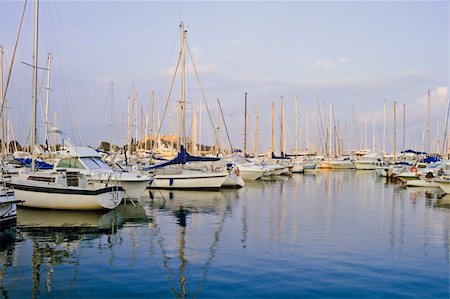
431	159
38	164
182	158
410	151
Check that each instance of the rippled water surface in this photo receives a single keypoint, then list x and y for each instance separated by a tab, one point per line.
329	234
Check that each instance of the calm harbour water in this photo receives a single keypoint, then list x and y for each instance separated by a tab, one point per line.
339	234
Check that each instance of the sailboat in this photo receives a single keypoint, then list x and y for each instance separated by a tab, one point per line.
68	190
173	174
8	208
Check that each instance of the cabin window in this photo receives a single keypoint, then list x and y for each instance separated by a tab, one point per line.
94	163
70	163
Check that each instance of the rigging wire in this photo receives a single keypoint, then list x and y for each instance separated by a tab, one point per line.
168	98
8	79
200	85
65	86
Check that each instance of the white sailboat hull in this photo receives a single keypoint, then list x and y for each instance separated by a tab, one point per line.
189	180
365	165
297	167
8	208
342	165
422	183
233	181
133	187
251	174
68	199
444	185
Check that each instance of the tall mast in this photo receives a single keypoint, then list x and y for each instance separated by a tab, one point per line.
365	134
1	102
444	143
131	118
218	145
194	131
111	115
135	120
330	137
353	129
296	125
273	127
404	126
225	125
183	82
255	145
35	86
384	127
395	131
428	122
281	126
200	130
153	134
49	66
307	130
245	125
373	136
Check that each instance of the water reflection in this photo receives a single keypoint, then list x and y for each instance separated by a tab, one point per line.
56	237
183	206
196	244
443	202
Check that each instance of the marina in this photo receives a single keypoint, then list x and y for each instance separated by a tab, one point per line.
342	233
250	156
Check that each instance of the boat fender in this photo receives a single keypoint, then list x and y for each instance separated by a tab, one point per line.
414	169
429	175
237	171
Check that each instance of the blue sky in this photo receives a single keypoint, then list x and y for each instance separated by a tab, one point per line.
347	53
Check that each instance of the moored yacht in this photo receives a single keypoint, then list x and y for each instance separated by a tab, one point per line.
368	162
64	190
8	207
342	163
87	161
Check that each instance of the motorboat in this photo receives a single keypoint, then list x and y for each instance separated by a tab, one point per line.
88	161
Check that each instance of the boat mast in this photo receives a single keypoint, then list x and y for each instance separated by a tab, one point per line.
200	129
404	126
245	125
444	143
281	127
384	128
218	144
111	115
365	134
35	87
296	125
273	127
255	145
49	66
330	131
353	129
194	131
225	125
2	103
183	82
395	131
307	131
373	137
428	122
